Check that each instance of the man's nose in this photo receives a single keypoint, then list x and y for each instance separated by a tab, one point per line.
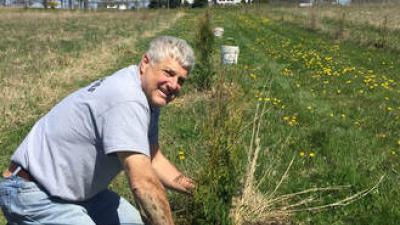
174	84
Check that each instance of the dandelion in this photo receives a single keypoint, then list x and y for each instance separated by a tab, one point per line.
302	153
181	155
398	142
312	154
327	71
253	76
389	108
393	152
309	107
381	135
331	114
343	115
287	72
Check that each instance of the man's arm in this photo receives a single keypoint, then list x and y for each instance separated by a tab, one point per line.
149	193
168	174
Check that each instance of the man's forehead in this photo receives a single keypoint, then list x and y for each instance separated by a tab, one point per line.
174	66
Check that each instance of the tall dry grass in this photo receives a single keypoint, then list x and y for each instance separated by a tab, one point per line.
372	25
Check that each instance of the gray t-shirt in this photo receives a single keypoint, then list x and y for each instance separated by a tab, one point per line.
70	150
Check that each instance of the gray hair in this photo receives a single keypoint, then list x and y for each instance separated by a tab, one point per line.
176	48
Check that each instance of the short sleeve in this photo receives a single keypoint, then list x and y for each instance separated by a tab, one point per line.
125	128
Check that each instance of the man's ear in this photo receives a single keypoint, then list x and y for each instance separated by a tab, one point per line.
144	62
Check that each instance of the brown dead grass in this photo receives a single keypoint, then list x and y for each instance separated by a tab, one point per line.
371	14
26	95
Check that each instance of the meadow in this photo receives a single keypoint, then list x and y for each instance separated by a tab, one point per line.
303	130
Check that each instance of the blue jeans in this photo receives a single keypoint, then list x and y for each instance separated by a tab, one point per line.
25	203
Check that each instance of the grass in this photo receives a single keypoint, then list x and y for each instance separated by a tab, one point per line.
331	106
366	24
322	112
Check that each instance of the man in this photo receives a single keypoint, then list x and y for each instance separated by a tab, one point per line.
60	172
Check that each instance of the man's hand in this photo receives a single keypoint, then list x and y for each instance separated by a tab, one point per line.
184	184
149	193
168	174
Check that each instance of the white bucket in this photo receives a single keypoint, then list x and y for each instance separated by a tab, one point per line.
229	54
218	31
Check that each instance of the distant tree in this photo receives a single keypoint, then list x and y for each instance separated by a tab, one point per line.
154	4
164	4
200	3
45	5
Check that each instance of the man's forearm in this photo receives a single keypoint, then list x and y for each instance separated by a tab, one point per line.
149	193
169	175
154	206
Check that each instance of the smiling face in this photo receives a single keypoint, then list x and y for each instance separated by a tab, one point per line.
161	82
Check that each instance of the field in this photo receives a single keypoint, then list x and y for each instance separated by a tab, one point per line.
303	130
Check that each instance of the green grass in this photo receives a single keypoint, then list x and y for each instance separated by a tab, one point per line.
337	101
334	99
348	119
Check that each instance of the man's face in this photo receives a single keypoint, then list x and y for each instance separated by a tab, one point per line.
161	82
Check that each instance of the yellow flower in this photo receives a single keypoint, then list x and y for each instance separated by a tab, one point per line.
181	155
302	154
398	142
309	107
312	154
